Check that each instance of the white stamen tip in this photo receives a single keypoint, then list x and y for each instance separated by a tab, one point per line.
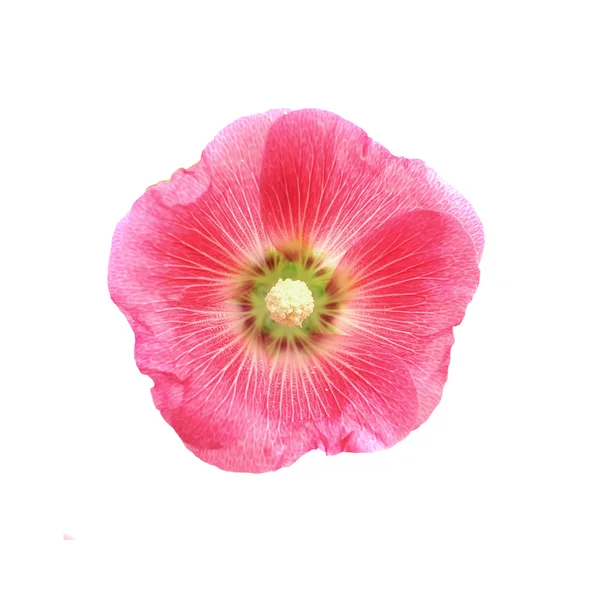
290	302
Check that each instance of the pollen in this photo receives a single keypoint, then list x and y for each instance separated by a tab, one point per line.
290	302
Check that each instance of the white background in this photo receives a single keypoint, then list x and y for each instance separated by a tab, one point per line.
496	496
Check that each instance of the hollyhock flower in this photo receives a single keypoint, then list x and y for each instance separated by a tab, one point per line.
295	289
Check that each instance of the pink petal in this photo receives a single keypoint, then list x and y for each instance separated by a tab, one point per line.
360	398
429	368
240	412
409	284
234	160
175	252
325	182
173	257
195	227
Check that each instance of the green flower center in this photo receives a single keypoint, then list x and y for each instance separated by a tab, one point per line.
271	312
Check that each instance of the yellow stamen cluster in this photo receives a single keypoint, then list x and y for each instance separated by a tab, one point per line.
290	302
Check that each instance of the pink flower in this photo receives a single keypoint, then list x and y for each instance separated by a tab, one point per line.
349	351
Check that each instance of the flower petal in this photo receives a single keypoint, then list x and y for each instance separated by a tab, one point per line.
429	369
409	283
234	160
175	252
359	399
174	255
325	182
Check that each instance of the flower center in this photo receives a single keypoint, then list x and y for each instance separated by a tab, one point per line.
290	302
